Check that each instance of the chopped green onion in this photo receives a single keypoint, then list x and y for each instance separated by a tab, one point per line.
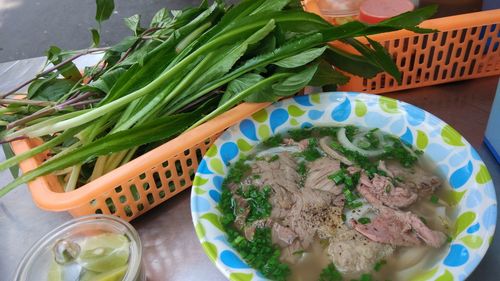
379	265
364	220
330	273
273	141
273	158
338	177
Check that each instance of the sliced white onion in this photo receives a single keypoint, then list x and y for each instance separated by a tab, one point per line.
409	257
344	141
278	149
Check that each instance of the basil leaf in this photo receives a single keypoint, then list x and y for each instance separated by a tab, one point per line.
160	18
238	85
133	23
378	56
327	75
68	70
107	80
96	38
49	89
104	9
354	64
295	82
301	59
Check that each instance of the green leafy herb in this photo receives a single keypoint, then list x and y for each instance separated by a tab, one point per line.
104	9
330	273
434	199
254	51
96	38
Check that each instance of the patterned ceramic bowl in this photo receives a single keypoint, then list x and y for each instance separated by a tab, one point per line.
472	188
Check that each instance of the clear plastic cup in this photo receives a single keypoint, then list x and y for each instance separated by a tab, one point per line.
96	247
339	11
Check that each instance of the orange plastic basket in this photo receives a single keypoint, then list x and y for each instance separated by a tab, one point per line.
466	47
139	185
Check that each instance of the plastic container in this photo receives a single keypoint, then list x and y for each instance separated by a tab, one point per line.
466	47
97	248
375	11
141	184
338	11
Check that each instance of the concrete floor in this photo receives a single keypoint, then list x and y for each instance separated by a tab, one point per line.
29	27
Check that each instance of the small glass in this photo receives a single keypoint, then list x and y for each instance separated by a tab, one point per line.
95	241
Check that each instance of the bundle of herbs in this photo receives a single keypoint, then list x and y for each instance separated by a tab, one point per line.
183	69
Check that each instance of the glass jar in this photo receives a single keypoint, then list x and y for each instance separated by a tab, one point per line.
96	247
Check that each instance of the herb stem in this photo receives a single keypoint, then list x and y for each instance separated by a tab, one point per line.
49	70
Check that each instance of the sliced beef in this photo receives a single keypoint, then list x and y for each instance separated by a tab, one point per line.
281	175
308	219
324	143
281	235
399	228
317	178
301	144
352	253
290	253
382	189
416	179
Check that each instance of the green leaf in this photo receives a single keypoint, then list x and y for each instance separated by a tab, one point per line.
223	60
271	6
104	9
378	56
240	84
107	80
301	59
133	23
155	130
354	64
295	82
49	89
68	70
124	44
96	38
327	75
7	151
409	20
160	18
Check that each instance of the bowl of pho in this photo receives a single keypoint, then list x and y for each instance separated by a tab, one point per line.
343	186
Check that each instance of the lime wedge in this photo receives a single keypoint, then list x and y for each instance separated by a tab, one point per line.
55	271
104	252
116	274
